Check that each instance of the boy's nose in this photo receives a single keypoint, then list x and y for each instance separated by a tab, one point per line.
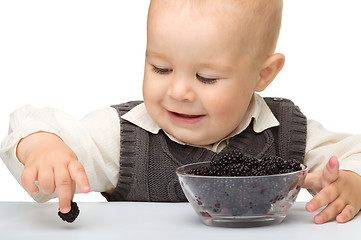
181	89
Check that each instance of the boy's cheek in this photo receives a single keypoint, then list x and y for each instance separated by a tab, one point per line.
151	90
224	105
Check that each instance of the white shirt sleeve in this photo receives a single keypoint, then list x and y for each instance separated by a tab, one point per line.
94	139
322	144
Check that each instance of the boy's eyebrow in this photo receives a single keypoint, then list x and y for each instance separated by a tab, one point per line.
149	53
218	67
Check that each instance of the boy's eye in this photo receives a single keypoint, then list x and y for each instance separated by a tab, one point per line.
206	80
161	70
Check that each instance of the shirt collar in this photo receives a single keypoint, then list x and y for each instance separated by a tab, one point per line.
140	117
257	110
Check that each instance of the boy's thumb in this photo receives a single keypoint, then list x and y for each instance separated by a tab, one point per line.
330	172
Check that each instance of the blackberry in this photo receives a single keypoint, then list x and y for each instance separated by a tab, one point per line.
71	215
235	163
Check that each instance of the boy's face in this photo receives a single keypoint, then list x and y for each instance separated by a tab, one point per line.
198	81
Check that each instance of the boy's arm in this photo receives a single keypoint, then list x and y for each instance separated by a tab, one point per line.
94	140
322	144
334	161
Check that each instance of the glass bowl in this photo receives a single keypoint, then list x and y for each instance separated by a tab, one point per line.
246	201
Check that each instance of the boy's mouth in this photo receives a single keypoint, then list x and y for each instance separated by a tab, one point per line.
185	118
186	115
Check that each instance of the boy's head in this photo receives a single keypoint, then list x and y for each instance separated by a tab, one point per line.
204	60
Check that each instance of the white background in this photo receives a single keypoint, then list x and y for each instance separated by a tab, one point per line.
83	55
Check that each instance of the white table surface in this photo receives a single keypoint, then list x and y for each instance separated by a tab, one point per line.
130	220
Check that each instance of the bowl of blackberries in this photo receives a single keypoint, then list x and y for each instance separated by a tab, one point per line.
238	190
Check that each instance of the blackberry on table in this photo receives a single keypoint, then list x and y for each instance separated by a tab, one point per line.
71	215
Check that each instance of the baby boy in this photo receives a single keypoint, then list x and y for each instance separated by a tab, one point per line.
205	61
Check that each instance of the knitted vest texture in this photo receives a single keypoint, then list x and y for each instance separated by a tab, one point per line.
148	161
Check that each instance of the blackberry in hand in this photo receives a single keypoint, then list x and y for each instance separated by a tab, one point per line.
71	215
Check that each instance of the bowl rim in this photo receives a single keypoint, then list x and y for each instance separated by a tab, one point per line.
179	172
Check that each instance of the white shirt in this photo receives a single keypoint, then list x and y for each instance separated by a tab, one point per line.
95	140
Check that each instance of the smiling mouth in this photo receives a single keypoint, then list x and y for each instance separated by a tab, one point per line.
186	115
185	118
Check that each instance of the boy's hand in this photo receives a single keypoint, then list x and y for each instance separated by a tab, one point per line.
340	190
48	160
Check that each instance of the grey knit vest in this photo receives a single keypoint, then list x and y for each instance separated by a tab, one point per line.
148	161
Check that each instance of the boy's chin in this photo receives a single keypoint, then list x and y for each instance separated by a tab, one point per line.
192	138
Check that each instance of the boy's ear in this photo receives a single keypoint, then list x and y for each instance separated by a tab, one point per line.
270	68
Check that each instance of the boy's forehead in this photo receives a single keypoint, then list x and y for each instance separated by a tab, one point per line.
199	6
256	21
225	12
246	15
252	7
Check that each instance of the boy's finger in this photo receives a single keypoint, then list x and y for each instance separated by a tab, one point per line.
347	214
330	172
324	197
64	189
46	180
77	173
28	178
320	179
313	181
330	211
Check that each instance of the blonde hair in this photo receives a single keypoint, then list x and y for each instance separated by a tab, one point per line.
264	19
261	19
